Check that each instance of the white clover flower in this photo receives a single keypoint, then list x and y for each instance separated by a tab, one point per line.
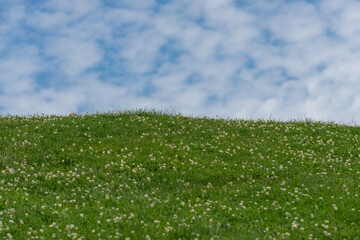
335	207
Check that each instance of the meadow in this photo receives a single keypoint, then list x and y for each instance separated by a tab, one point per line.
149	175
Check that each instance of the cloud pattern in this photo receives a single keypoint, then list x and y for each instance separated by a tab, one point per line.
240	59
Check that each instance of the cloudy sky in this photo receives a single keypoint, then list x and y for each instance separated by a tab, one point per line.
278	59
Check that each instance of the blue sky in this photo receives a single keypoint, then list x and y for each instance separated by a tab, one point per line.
253	59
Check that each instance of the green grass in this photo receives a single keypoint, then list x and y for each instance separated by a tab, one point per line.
148	175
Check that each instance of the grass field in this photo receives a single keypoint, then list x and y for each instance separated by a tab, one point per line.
147	175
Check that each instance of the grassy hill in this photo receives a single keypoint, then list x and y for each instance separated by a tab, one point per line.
146	175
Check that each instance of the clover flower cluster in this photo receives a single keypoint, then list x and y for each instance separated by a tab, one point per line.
153	176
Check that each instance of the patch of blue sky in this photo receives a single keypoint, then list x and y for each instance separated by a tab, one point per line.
113	67
241	87
48	99
44	80
253	6
115	3
51	75
82	109
269	38
163	1
2	15
307	1
201	21
29	35
3	111
160	5
194	79
220	53
331	34
148	90
242	3
118	80
321	67
40	6
33	4
250	63
18	41
4	7
275	76
170	52
51	80
215	99
248	2
298	91
126	29
110	68
129	4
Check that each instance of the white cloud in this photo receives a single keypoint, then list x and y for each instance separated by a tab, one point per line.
296	22
11	13
46	101
287	59
73	56
18	68
54	14
140	50
138	4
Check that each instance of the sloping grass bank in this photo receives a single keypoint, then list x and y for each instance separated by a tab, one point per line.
145	175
